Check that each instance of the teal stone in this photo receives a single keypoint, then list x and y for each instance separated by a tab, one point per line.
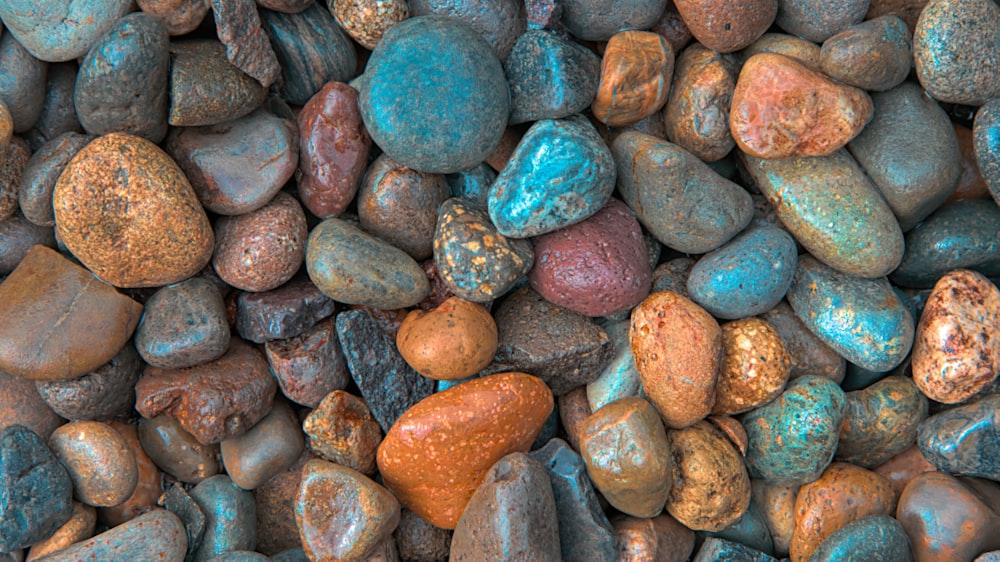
230	517
751	530
560	173
793	439
550	77
620	379
435	97
881	421
877	538
986	140
717	550
965	439
864	320
747	276
472	185
685	204
962	235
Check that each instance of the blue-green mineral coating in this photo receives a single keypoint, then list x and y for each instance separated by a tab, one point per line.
230	517
435	97
986	140
864	320
560	173
793	439
964	440
747	276
750	530
472	185
881	421
878	538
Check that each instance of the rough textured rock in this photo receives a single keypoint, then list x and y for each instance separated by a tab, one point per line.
183	325
365	21
963	440
880	421
873	55
342	430
696	116
102	394
248	48
158	531
310	365
205	88
285	312
727	26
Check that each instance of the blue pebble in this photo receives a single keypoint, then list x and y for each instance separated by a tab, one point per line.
878	537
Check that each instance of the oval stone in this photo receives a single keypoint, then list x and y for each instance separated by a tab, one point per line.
58	114
22	84
443	125
60	31
802	50
230	517
696	116
453	341
271	446
754	369
183	325
351	266
873	55
147	490
99	462
500	22
635	77
876	537
964	440
816	20
102	394
157	531
17	236
175	451
41	174
180	16
881	421
962	235
727	26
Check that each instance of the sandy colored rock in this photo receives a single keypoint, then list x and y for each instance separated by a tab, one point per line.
99	462
366	21
453	341
755	366
635	77
125	210
342	430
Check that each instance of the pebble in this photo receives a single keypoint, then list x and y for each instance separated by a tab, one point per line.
98	460
672	276
677	197
268	448
240	556
176	451
60	32
636	71
511	515
21	404
816	20
797	48
342	430
237	167
573	409
71	322
6	126
470	84
750	530
180	503
909	10
354	267
17	236
158	533
904	467
986	140
727	26
793	439
453	341
876	54
333	150
310	365
399	205
598	20
213	401
366	22
620	378
951	35
771	117
122	83
22	83
946	520
205	88
183	325
437	453
721	549
248	48
11	170
563	348
671	25
956	236
147	488
660	538
577	178
230	517
755	366
104	393
881	421
180	16
475	261
341	513
58	114
277	531
38	492
597	267
125	210
963	440
678	351
80	526
971	184
954	353
876	537
914	177
285	312
38	181
550	77
776	505
697	112
500	22
843	494
261	250
419	541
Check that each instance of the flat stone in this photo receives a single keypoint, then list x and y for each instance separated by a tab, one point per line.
57	32
104	393
38	181
22	83
342	430
268	448
157	531
179	502
550	77
205	88
286	312
247	46
230	517
183	325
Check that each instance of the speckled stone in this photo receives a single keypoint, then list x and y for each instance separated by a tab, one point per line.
285	312
183	325
419	541
816	20
563	348
148	487
98	460
20	404
159	533
469	87
550	77
58	114
71	322
11	169
755	366
636	71
230	517
268	448
714	549
847	224
880	421
205	88
809	354
248	48
60	32
696	116
793	439
986	140
17	236
677	197
873	329
388	384
342	430
365	21
102	394
22	83
475	261
914	176
180	16
598	20
80	526
499	414
122	83
949	37
453	341
312	50
38	180
964	440
873	55
310	365
500	22
176	451
876	537
354	267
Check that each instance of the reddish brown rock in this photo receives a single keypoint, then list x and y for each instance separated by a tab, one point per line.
697	114
660	539
802	50
180	16
435	455
909	10
635	77
282	313
99	462
268	448
59	321
419	541
508	142
308	366
214	401
342	430
727	26
126	211
733	429
263	249
176	451
80	526
453	341
755	366
781	108
148	487
440	291
333	150
366	21
671	26
904	467
574	409
678	351
776	503
12	166
20	404
247	46
275	502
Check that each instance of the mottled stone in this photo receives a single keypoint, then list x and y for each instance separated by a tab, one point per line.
286	312
598	20
453	341
158	533
750	530
808	353
310	365
59	321
500	22
817	20
873	55
22	83
230	517
205	88
17	236
38	180
104	393
247	46
550	77
672	26
908	10
964	440
342	430
268	448
755	366
636	71
802	50
876	537
660	539
180	16
419	541
183	325
98	460
880	421
727	26
180	503
986	140
12	167
677	197
20	404
696	116
147	488
61	31
365	21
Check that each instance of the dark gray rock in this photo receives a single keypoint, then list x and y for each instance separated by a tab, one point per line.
22	83
101	394
183	325
282	313
177	500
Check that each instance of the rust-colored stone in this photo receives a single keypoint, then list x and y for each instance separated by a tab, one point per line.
781	108
180	16
309	366
724	25
148	488
755	366
80	526
734	430
436	454
20	404
696	116
660	539
802	50
904	467
453	341
342	430
909	10
176	451
971	184
508	142
635	77
574	409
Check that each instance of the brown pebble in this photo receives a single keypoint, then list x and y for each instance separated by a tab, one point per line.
6	128
904	467
508	142
909	10
12	166
205	88
104	393
727	26
99	462
176	451
180	16
809	354
275	503
453	341
635	77
574	409
148	488
308	366
80	526
20	404
755	366
365	21
971	184
659	539
269	447
342	430
419	541
776	503
696	116
733	429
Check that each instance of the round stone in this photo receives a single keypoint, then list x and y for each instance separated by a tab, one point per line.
453	341
99	462
60	31
754	369
367	21
598	20
183	325
727	26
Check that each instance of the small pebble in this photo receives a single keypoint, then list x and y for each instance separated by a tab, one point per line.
310	365
22	83
755	366
342	430
80	526
636	71
229	517
873	55
366	22
697	112
104	393
183	325
880	421
817	20
99	462
268	448
285	312
205	88
176	451
727	26
453	341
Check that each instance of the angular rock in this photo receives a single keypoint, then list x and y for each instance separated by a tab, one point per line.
205	88
342	430
183	325
247	46
286	312
964	440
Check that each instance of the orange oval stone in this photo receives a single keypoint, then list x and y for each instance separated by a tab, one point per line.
437	453
635	77
781	108
453	341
